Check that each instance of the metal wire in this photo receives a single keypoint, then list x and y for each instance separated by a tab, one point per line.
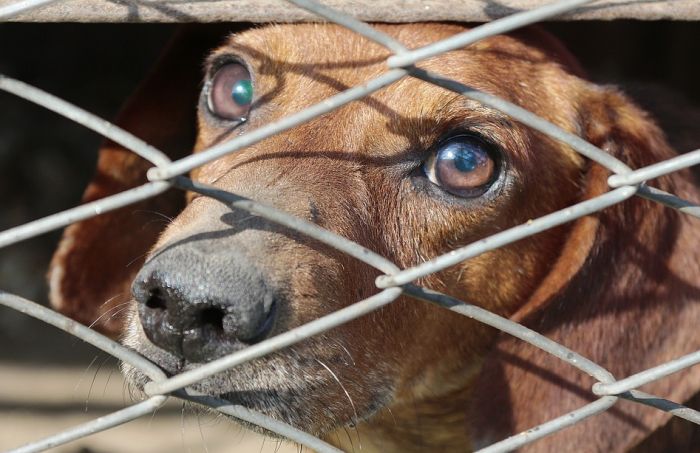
95	426
506	237
245	414
85	211
312	230
353	24
551	426
504	325
394	282
526	117
665	405
276	343
644	377
496	27
86	334
656	170
80	116
15	9
667	199
196	160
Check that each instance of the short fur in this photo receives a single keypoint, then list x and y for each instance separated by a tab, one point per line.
619	287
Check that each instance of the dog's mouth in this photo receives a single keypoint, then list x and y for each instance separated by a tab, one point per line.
300	386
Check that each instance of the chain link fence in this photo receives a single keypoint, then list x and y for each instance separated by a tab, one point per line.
166	174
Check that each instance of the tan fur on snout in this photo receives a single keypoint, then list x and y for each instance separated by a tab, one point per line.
414	377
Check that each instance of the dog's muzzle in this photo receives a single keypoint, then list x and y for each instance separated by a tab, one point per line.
199	301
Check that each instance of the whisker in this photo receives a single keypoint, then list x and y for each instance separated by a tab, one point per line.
125	388
338	343
201	433
136	259
118	313
109	376
182	428
347	433
82	377
160	214
153	416
352	404
109	300
150	222
392	415
94	377
337	437
461	272
120	307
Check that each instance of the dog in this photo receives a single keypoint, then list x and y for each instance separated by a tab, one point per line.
411	172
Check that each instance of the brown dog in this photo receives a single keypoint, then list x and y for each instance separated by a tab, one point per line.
412	172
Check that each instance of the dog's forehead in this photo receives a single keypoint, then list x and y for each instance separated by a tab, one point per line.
304	63
333	58
302	44
294	66
328	43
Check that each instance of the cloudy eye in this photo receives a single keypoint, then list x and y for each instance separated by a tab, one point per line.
230	92
462	166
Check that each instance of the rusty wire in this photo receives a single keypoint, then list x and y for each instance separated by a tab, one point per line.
624	183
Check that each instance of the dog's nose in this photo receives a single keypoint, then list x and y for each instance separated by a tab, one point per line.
200	303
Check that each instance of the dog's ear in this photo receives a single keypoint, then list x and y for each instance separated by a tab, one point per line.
92	269
612	123
621	294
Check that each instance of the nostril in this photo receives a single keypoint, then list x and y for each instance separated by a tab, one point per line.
213	317
155	300
263	329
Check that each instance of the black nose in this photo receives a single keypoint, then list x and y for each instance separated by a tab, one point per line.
199	302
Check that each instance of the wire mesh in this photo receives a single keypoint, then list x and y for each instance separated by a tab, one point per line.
624	183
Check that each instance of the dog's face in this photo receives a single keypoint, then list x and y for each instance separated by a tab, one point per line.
411	172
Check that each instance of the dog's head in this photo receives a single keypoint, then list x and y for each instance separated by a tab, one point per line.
412	171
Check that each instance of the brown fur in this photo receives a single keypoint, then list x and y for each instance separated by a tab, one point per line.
617	286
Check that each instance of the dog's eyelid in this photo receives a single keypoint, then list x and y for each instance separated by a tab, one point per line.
206	89
429	167
478	133
489	125
217	61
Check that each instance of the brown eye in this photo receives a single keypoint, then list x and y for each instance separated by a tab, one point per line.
230	92
461	166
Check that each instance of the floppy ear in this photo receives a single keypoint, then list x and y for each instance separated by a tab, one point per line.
91	272
623	293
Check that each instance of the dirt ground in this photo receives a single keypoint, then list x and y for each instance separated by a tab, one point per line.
38	401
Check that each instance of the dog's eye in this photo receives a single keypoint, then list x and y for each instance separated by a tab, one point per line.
462	166
230	92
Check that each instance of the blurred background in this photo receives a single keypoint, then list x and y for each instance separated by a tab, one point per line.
49	380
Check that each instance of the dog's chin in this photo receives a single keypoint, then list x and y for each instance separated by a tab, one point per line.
290	386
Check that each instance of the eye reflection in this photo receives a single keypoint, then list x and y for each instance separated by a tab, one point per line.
242	92
461	166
